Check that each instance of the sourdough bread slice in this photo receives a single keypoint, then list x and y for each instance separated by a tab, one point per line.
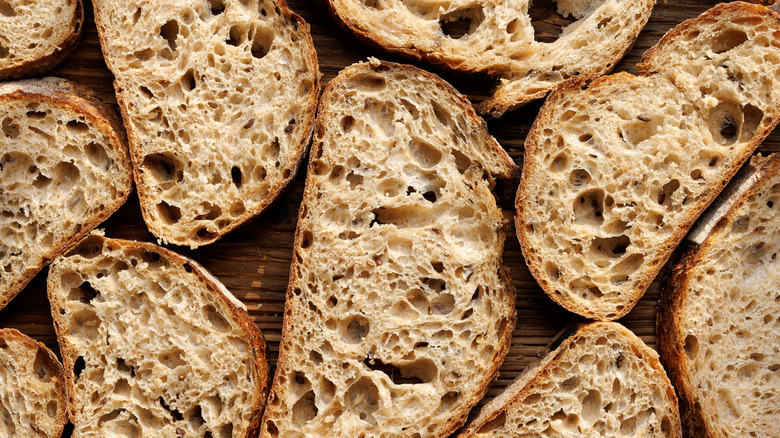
601	381
32	388
35	36
218	100
153	345
718	315
616	174
64	169
500	40
398	311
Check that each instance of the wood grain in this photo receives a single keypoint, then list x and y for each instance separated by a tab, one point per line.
253	262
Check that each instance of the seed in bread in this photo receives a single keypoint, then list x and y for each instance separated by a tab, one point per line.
153	345
218	99
32	388
601	381
616	174
398	311
35	36
64	169
719	314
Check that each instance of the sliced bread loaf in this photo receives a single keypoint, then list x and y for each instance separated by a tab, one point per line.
500	39
615	174
153	345
35	36
720	313
64	169
32	388
600	381
398	311
218	99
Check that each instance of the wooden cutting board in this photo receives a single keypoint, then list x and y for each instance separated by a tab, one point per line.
253	262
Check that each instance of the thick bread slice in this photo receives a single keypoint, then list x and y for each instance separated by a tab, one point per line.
719	315
398	311
153	345
600	381
32	388
500	39
617	173
35	36
64	169
218	98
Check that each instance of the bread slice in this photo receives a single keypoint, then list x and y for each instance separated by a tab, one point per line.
32	388
64	169
616	174
35	36
718	315
500	40
398	311
218	100
600	381
153	345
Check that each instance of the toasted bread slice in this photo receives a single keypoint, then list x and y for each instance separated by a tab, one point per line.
617	173
718	316
600	381
35	36
153	345
32	388
218	99
398	311
64	169
500	40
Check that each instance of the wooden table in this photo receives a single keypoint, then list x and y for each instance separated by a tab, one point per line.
253	262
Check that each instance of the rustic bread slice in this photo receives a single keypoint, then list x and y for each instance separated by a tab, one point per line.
64	169
600	381
154	345
32	388
218	100
398	311
35	36
718	316
617	173
500	39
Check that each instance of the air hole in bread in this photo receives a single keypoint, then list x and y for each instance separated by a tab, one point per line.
443	304
215	318
85	324
552	271
237	176
169	214
548	24
589	207
494	424
262	40
462	162
170	32
163	167
369	82
84	293
447	400
612	247
137	15
666	192
727	40
441	113
6	10
78	367
560	162
307	239
10	128
305	409
77	126
175	414
188	81
172	358
460	23
237	35
355	329
362	399
347	123
37	115
752	117
412	373
43	366
424	153
579	177
217	7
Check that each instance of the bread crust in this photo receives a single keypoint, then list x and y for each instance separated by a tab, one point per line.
247	326
42	64
71	97
676	290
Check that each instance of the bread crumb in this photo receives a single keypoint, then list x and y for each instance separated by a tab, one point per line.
374	62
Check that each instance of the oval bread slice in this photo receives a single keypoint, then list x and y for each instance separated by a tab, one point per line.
153	345
398	311
64	169
720	312
32	388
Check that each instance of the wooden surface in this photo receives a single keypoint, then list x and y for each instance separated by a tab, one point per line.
253	262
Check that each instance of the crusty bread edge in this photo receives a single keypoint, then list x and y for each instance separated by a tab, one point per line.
247	325
457	420
74	98
309	118
671	342
41	65
62	401
520	388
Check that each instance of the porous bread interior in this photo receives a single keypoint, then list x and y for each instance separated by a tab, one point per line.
729	318
396	316
32	400
500	38
606	382
58	171
630	162
218	98
149	349
33	29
